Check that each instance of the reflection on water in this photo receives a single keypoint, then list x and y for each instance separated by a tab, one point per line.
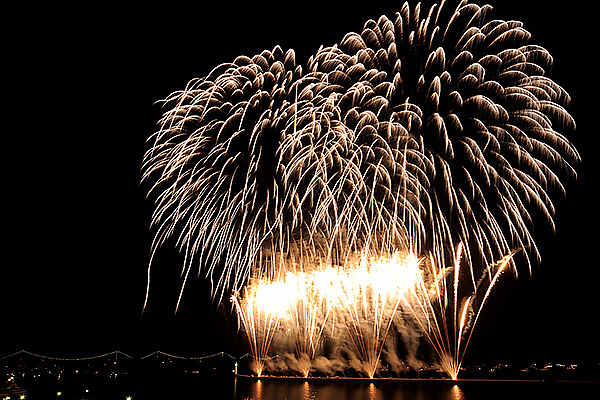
306	391
456	393
372	391
317	390
256	390
199	387
374	394
282	389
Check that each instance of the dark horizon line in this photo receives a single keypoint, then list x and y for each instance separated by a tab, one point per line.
247	355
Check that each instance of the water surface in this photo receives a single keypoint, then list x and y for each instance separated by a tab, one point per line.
200	387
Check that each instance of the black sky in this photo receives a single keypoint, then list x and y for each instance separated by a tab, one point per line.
79	94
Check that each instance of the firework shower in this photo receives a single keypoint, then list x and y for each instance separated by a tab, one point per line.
436	134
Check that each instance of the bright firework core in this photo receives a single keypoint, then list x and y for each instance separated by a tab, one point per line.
356	307
306	306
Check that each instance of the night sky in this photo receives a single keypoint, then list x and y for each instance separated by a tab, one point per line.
79	99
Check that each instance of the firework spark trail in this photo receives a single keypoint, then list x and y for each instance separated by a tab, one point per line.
446	309
433	133
481	117
363	297
295	304
417	133
372	294
260	312
366	298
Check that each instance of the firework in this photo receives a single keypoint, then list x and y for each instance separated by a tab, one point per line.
446	308
424	133
363	300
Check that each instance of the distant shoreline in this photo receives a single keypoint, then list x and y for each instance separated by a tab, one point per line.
414	380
